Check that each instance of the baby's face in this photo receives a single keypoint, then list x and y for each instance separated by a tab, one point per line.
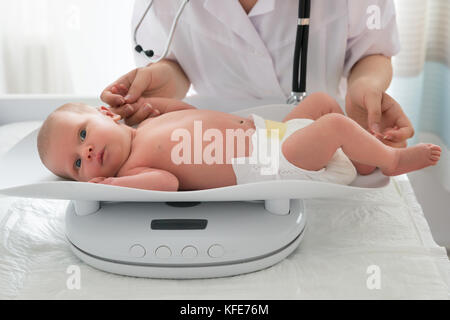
88	145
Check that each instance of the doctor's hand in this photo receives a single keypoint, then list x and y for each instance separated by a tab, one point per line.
136	112
156	80
378	113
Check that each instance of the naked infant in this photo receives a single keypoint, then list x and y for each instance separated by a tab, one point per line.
184	148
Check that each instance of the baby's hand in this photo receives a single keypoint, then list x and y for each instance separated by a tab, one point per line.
101	180
141	111
137	112
145	108
97	180
133	113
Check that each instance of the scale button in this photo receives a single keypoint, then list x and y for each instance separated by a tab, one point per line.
189	252
137	251
163	252
216	251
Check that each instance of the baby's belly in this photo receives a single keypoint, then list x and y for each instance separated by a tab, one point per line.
196	146
200	165
203	176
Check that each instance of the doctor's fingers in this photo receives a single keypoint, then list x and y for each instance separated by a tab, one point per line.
372	103
141	82
120	89
143	112
400	134
113	99
402	128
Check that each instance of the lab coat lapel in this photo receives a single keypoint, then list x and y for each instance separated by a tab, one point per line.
262	7
233	16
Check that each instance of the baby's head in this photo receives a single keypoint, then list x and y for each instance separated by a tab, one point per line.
80	142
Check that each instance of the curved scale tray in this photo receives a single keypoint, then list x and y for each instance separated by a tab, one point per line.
30	178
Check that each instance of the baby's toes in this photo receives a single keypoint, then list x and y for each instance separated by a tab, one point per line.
435	158
435	148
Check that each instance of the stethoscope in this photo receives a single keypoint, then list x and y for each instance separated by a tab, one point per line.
300	54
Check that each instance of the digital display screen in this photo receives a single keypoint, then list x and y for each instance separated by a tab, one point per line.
179	224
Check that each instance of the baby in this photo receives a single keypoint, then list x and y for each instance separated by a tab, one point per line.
315	141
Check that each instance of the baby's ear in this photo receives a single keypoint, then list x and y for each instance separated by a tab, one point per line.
107	112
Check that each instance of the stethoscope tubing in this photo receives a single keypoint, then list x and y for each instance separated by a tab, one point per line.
171	33
300	51
301	47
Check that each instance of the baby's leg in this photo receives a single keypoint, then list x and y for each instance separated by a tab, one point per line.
315	106
312	147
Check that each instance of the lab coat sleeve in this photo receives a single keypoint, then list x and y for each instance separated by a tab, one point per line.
151	34
365	36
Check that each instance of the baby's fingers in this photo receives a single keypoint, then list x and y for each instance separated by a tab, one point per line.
107	181
143	113
125	111
155	112
97	180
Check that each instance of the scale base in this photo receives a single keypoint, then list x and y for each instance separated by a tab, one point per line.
184	240
186	272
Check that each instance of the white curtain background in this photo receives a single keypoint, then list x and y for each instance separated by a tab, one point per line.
70	46
2	60
421	74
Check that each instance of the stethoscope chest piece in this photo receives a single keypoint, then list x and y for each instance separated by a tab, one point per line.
296	97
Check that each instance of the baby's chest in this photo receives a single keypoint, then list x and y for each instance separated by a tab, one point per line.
151	148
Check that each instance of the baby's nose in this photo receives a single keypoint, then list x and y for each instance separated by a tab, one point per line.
88	153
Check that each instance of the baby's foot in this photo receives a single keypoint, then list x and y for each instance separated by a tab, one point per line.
414	158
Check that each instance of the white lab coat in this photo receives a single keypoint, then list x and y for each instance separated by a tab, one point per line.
227	53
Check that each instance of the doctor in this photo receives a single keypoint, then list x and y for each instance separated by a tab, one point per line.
245	49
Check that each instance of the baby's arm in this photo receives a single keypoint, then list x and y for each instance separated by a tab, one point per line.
165	105
161	105
143	178
148	108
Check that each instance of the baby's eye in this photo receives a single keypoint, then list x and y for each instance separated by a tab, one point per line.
83	135
78	164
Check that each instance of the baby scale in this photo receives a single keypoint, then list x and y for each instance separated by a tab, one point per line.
183	235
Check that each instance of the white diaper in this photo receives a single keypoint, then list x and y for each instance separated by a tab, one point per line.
267	162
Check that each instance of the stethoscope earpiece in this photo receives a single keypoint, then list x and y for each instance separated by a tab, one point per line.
148	53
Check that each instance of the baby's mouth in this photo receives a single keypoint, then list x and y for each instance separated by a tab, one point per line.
100	156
